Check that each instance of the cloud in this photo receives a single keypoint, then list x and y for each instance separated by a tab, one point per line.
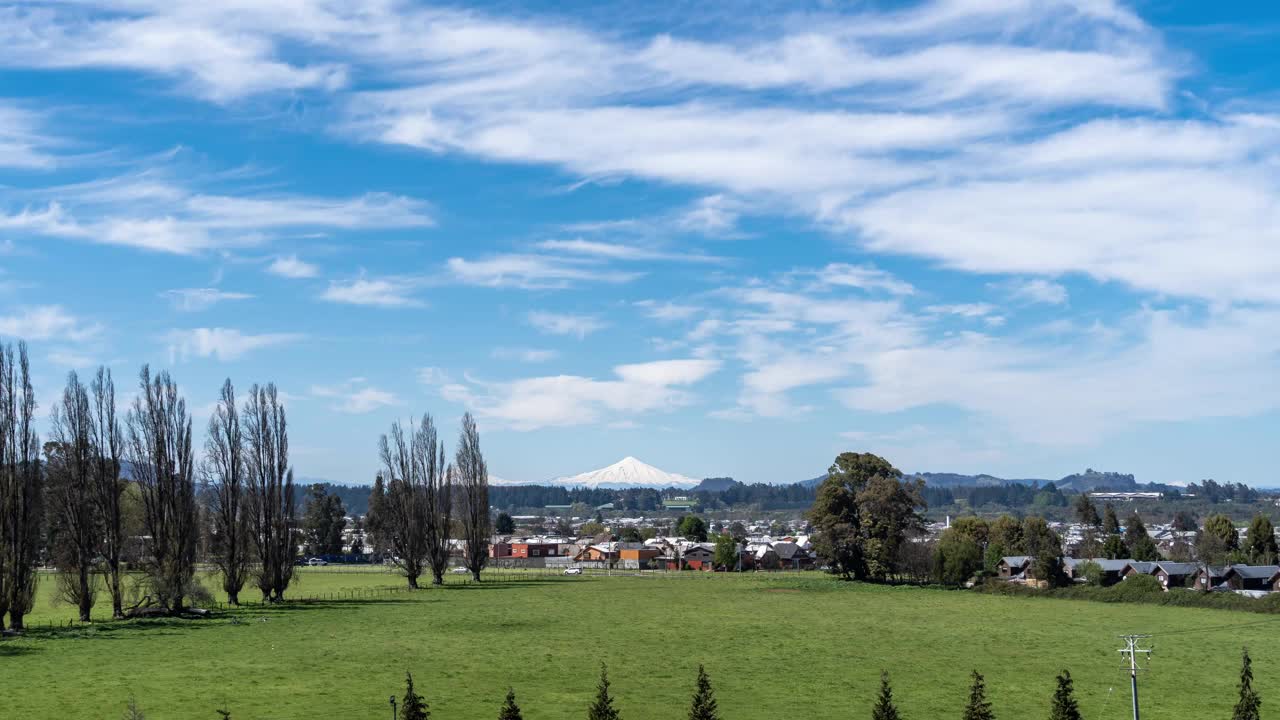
964	310
666	311
531	272
618	251
224	344
197	299
23	143
565	324
528	355
150	210
356	396
866	277
47	322
566	400
289	266
375	292
710	215
1038	290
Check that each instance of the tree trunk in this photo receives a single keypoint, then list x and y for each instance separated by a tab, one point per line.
117	607
15	621
437	578
413	582
233	598
475	575
86	600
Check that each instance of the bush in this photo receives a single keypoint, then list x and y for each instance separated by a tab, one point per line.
1135	587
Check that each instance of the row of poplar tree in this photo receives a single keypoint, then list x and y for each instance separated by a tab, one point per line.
109	492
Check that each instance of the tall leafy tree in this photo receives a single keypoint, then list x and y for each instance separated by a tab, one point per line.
272	507
1044	546
861	515
1248	707
413	707
376	519
160	454
978	708
1086	511
323	521
1261	545
1110	521
704	699
21	488
726	552
1217	539
510	710
956	557
108	487
504	525
226	479
473	495
75	518
884	708
692	527
1064	705
602	706
1141	546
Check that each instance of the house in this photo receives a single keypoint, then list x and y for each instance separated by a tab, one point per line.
637	556
1209	578
792	556
1014	567
598	552
533	549
1253	578
1113	571
500	548
698	556
1174	575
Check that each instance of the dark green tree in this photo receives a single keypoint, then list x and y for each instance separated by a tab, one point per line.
323	521
1114	548
692	527
704	699
862	515
1249	704
1110	522
504	525
1217	539
1141	546
510	711
1045	548
1086	511
978	708
1261	544
1064	700
956	557
602	707
884	709
726	554
413	707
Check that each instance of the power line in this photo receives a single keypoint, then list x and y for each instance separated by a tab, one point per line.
1132	651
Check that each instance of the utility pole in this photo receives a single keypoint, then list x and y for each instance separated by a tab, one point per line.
1131	652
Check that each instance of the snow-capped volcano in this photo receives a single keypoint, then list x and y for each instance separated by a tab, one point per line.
626	473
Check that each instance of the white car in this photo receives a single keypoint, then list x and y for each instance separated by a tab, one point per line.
317	562
573	571
459	571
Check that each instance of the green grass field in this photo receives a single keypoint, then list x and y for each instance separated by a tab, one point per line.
776	647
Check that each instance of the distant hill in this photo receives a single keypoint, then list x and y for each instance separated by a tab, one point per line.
719	484
1087	481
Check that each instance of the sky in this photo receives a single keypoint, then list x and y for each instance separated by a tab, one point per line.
1021	237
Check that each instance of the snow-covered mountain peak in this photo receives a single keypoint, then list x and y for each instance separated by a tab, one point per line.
628	472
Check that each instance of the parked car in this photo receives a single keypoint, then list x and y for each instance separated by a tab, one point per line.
317	562
459	571
573	571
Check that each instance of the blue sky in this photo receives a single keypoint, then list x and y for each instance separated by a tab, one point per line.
1010	236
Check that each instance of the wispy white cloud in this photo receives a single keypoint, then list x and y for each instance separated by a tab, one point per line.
666	311
289	266
47	322
620	251
1037	290
565	323
24	144
197	299
224	344
564	400
532	272
356	396
389	292
528	355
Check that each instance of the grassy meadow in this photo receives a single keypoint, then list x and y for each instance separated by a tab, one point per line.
776	646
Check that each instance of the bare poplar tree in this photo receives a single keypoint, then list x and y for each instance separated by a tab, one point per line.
108	488
473	478
159	452
418	505
21	487
73	513
272	510
225	477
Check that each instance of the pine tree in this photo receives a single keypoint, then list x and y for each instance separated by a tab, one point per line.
602	708
1248	706
885	709
413	707
978	707
132	711
1064	701
704	700
510	710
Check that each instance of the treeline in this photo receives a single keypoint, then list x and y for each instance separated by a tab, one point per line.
1010	495
71	504
513	498
703	706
